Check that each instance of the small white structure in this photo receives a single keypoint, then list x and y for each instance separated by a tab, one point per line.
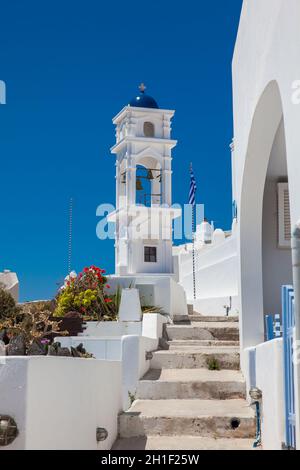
9	280
204	232
130	306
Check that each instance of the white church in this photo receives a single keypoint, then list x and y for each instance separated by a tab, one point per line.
217	366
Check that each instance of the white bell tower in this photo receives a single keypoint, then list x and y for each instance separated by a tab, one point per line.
143	215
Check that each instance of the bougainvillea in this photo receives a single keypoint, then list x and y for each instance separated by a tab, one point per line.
86	293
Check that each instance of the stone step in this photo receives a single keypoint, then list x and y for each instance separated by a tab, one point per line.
191	384
194	343
227	358
204	331
182	443
202	318
205	418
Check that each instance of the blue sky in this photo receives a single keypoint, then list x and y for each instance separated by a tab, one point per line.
69	67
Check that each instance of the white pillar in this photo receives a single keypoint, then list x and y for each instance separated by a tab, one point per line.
167	182
130	182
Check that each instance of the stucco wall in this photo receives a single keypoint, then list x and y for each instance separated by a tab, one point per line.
216	273
161	290
264	369
269	378
129	349
59	402
267	49
265	68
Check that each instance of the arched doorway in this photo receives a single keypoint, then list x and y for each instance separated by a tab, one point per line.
264	264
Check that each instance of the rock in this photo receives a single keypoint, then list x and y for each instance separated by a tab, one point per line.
36	349
80	348
53	349
56	350
2	349
4	337
16	346
65	352
75	352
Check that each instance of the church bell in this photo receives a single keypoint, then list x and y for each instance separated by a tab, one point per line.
139	186
150	176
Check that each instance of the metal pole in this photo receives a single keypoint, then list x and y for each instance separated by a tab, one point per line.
70	236
296	282
194	260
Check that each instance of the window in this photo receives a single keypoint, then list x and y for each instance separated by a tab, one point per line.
150	254
148	129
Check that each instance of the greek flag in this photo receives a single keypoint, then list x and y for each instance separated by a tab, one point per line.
193	188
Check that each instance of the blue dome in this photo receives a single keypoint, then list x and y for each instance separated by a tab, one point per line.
143	100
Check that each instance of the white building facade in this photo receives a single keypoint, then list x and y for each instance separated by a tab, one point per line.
266	74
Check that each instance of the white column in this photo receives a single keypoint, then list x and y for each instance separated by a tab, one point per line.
167	182
130	181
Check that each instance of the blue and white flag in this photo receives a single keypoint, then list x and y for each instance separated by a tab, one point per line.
193	188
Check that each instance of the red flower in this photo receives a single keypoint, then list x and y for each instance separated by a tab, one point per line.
86	270
103	271
107	286
107	301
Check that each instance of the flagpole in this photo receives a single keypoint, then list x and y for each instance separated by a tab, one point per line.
193	233
70	236
194	260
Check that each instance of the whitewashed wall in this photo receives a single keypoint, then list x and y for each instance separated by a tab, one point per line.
216	273
112	328
157	290
59	402
129	349
268	376
266	75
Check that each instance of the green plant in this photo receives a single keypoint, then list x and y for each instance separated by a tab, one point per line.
132	397
213	364
116	299
8	307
